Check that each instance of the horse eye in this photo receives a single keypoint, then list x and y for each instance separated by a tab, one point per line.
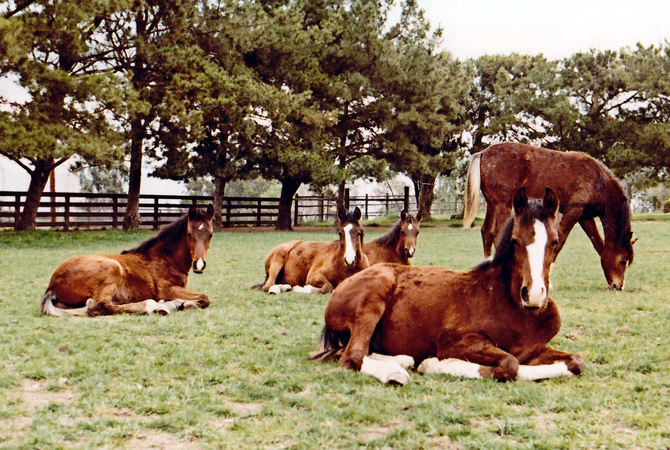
554	243
190	235
623	262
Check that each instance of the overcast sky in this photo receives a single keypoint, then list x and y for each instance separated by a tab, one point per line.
554	28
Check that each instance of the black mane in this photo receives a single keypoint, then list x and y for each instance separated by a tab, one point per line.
169	235
504	245
391	238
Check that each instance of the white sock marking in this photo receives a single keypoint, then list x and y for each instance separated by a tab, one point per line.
538	291
385	371
405	361
349	252
307	289
451	366
543	371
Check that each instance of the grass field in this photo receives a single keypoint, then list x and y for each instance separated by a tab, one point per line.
236	375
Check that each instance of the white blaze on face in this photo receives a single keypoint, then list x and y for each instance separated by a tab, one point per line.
201	227
538	291
199	264
349	252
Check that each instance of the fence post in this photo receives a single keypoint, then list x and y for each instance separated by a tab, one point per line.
155	212
66	213
406	199
17	210
295	210
387	204
258	213
366	206
228	212
320	209
346	198
115	210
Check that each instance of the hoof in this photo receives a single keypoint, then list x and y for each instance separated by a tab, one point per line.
399	378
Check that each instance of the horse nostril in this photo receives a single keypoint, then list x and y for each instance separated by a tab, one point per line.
524	294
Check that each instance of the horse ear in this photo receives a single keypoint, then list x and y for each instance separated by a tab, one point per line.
520	200
550	201
357	214
191	212
210	211
419	217
629	237
403	215
341	212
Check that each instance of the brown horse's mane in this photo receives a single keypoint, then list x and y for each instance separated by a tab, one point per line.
504	246
169	235
617	206
391	238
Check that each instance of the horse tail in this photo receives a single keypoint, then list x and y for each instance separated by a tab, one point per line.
471	198
48	308
330	345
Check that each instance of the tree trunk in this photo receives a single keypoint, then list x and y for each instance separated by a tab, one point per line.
132	219
219	193
424	193
38	181
289	186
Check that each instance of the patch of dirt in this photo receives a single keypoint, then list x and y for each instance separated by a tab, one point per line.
379	431
443	442
162	440
35	396
243	409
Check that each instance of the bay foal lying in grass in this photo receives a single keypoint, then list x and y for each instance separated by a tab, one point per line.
148	278
493	320
307	266
396	246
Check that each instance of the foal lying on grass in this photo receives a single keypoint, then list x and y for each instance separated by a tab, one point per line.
149	278
491	321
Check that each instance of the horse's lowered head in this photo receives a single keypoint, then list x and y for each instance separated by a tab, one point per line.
615	258
534	239
199	232
409	232
351	235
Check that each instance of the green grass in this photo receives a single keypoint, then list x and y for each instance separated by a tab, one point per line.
236	375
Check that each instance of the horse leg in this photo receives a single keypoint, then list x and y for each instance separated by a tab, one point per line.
275	267
315	283
568	221
551	363
474	348
181	298
591	230
487	235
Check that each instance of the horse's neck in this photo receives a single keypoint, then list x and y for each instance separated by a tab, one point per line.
175	258
614	219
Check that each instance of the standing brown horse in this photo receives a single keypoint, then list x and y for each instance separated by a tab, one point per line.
398	245
486	321
585	188
149	278
307	266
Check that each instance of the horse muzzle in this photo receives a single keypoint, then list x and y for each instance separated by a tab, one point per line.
617	285
533	298
199	265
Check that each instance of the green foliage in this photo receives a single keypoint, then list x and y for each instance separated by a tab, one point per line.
666	206
237	374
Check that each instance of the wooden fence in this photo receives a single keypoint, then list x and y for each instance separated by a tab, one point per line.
73	210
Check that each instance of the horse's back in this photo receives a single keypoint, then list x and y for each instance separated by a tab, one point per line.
508	166
303	256
81	277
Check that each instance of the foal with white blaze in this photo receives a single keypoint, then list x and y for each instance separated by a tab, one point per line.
494	320
309	267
